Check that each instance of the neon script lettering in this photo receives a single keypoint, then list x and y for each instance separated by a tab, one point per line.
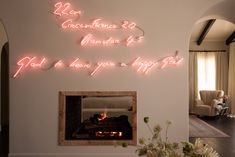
170	61
128	25
131	40
26	62
90	40
101	65
65	10
140	65
77	64
70	23
145	67
59	64
95	24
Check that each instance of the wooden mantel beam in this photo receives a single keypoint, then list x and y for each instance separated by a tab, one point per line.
230	38
205	31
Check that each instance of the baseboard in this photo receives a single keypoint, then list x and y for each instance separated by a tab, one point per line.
71	155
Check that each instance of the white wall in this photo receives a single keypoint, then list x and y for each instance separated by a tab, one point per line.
3	35
209	45
223	10
3	40
34	96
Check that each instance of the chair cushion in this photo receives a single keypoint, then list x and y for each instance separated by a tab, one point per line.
203	110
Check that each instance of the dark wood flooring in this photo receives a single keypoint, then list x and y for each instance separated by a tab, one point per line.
4	142
225	146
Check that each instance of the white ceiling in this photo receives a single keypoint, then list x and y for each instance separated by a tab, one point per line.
219	31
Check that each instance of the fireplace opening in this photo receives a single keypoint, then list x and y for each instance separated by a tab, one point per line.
97	117
100	126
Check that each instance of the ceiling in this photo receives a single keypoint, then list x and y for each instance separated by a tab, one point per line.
219	31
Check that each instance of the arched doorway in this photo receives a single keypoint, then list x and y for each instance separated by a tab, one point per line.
209	64
4	96
209	57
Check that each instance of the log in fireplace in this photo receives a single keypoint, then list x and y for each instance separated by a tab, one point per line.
97	117
103	127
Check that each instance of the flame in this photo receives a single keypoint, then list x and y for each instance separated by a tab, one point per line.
103	116
106	133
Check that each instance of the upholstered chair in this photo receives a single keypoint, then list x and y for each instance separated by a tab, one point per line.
208	104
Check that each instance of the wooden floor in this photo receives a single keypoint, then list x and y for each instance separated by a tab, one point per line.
225	146
4	134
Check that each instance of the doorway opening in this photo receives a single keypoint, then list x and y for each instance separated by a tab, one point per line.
211	51
4	96
209	65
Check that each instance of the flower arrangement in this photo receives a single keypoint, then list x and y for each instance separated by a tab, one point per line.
156	146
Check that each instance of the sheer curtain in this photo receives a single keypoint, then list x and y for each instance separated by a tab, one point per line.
206	71
193	88
231	82
221	61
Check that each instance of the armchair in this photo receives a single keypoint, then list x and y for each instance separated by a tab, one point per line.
208	104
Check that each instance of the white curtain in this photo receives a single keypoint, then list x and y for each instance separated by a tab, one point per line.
206	71
231	77
221	59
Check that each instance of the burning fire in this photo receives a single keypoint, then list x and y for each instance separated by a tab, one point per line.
103	116
106	133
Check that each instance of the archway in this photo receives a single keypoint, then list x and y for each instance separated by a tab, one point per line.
4	96
210	37
210	41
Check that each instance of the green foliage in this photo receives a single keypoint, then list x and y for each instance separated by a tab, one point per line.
156	146
198	149
146	119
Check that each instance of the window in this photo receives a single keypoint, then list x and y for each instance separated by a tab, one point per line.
206	71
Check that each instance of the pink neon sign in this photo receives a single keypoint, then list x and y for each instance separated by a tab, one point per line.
96	24
66	11
141	66
59	64
77	64
29	62
90	40
145	67
101	65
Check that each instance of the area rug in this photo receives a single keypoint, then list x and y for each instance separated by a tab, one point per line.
199	128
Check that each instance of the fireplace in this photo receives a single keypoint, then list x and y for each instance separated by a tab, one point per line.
97	117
